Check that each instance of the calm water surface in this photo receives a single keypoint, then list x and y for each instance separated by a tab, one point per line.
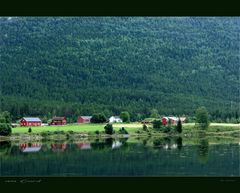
120	157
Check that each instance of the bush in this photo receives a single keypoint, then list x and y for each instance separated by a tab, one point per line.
98	118
157	124
5	129
145	128
97	132
123	131
157	142
30	130
202	117
138	131
125	116
109	129
179	126
166	129
59	132
45	134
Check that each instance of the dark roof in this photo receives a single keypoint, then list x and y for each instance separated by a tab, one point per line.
58	118
32	119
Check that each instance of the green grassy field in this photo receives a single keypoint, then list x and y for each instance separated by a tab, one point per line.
130	127
84	128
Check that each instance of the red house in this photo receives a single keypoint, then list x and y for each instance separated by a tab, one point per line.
84	119
30	121
58	121
173	120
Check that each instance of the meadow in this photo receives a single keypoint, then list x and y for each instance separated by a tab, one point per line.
130	127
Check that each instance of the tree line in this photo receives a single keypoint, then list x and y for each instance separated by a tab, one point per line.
71	66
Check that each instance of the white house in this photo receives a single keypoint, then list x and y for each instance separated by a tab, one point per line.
115	119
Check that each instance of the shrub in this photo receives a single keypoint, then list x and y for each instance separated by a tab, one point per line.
97	132
123	131
157	142
179	126
157	124
145	128
202	117
98	118
166	129
125	116
138	131
5	129
44	134
30	130
67	136
109	129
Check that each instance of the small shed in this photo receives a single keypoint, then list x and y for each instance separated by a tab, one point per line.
59	121
84	119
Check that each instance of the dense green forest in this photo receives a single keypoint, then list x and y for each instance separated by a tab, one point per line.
75	66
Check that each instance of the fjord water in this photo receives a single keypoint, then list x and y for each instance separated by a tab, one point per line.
120	157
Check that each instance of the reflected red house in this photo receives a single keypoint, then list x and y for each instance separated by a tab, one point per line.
58	121
58	147
30	121
84	145
29	148
84	119
173	120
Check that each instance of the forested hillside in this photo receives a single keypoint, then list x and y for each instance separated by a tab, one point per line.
80	65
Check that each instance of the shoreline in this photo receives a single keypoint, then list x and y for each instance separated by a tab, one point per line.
74	136
72	131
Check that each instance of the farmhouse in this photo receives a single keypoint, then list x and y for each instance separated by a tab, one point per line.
173	120
30	121
84	119
115	119
58	121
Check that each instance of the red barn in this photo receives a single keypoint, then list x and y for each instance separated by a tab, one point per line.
58	121
30	121
164	120
173	120
84	119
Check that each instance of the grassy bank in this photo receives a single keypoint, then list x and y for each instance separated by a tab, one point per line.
132	128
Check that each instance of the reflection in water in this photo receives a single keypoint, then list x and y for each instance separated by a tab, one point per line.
145	140
84	145
105	157
179	143
168	143
202	150
5	147
58	147
116	144
30	147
